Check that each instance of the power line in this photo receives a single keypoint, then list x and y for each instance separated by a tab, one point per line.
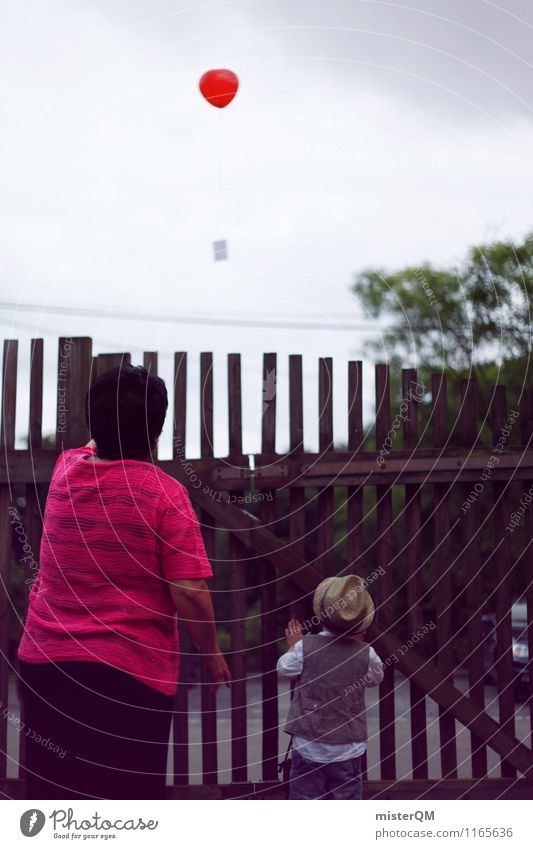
335	323
332	321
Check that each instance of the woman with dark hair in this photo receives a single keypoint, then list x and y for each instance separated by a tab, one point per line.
121	554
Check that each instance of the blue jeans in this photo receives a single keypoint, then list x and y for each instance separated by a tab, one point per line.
335	780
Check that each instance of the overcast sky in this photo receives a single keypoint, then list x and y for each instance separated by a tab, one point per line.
364	133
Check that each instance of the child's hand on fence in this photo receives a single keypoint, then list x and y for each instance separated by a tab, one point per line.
293	632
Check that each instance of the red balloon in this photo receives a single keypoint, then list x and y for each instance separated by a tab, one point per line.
219	87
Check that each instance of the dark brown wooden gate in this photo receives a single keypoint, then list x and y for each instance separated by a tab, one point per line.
436	515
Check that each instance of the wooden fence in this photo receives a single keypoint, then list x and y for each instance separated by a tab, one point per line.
276	525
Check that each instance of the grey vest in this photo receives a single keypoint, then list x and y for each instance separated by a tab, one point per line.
328	704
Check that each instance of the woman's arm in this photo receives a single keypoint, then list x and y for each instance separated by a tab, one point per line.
193	603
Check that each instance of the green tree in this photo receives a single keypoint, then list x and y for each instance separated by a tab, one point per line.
474	319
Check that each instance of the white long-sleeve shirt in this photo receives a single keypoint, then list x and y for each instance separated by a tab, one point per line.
290	665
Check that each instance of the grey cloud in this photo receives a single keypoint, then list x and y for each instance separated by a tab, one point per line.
455	59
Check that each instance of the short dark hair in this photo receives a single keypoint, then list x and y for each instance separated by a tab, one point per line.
125	410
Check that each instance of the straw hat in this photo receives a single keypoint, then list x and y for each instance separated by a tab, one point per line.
344	604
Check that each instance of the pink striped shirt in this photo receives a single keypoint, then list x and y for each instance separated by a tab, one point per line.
115	534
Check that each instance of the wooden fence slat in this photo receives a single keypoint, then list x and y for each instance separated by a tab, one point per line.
355	552
35	431
180	403
443	576
7	441
297	530
237	588
234	404
74	372
206	405
413	520
208	699
9	394
326	495
105	362
268	578
150	362
35	493
504	577
5	616
385	610
296	413
354	495
180	714
180	723
468	434
526	436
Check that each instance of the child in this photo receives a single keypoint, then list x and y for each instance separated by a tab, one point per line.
327	714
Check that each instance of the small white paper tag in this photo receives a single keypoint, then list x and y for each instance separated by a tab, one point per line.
220	249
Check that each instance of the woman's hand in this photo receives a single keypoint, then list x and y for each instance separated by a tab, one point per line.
293	632
216	668
192	600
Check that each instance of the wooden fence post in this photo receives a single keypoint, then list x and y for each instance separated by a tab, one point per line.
180	720
297	529
442	570
208	700
504	573
268	580
354	495
526	422
150	363
413	521
237	587
74	367
7	442
385	615
326	495
469	437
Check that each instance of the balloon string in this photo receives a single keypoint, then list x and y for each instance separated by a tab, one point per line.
220	192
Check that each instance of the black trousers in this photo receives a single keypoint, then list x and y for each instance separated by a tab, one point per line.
92	731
